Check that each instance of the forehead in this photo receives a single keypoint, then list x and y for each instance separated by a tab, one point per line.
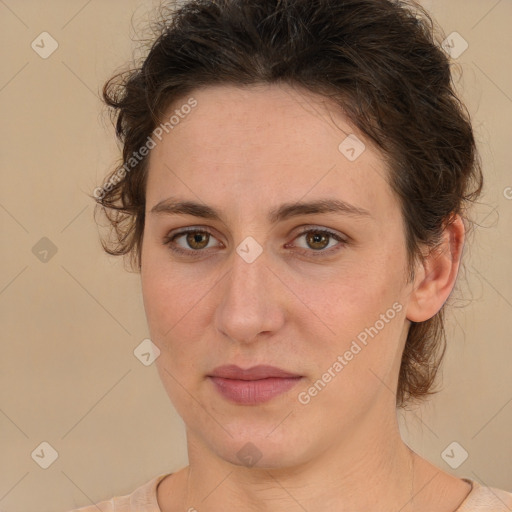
263	115
270	142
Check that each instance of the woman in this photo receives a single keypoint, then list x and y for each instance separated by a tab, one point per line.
294	192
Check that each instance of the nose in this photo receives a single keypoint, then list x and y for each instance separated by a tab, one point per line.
253	300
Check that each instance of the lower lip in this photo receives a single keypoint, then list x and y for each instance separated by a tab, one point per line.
249	392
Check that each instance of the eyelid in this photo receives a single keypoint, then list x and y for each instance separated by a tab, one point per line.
321	229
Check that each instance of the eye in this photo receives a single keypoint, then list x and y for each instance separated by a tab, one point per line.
318	241
196	239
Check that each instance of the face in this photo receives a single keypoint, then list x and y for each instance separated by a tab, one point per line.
319	293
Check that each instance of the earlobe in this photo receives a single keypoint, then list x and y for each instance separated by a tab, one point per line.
437	274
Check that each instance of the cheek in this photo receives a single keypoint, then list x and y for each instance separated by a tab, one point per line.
353	295
363	307
154	293
170	329
175	311
162	284
163	297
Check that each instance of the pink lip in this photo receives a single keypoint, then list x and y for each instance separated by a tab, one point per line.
232	371
252	386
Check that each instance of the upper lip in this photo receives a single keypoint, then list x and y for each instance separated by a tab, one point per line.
255	373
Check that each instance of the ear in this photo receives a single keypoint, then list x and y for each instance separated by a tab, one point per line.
436	277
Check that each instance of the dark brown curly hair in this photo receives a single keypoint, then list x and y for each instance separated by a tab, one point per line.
381	61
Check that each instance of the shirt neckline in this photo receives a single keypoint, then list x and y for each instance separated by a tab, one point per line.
469	496
158	479
154	490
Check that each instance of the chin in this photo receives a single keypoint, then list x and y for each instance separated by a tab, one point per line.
256	448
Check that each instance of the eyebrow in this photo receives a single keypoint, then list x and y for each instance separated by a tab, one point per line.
171	206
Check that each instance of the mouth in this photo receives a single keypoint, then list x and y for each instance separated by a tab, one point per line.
253	386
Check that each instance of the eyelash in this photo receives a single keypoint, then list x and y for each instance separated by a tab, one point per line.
170	242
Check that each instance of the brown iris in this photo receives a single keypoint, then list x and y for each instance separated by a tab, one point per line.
317	238
194	237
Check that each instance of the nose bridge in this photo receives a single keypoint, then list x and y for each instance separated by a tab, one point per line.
248	305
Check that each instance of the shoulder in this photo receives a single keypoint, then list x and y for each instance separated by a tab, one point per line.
142	499
486	499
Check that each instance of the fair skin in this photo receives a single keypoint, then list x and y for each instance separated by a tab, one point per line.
298	306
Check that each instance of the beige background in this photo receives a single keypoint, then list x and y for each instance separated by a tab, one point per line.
68	375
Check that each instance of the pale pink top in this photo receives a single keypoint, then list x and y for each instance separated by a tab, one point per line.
143	499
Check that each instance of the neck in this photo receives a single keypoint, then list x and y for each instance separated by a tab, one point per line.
369	469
